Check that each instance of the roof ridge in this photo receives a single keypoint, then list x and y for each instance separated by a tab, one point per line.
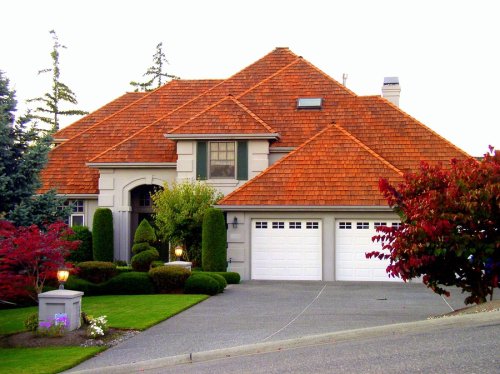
419	123
276	164
253	115
279	71
368	149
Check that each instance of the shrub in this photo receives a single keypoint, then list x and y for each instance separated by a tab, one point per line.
31	322
96	271
220	281
120	263
231	277
78	284
131	283
144	233
169	278
214	241
155	264
84	250
141	247
102	235
123	269
142	261
201	284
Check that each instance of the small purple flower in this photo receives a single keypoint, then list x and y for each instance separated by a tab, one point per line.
44	324
61	319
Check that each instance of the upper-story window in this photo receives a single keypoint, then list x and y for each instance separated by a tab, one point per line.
222	160
145	198
77	217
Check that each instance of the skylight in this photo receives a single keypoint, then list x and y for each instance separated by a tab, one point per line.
309	103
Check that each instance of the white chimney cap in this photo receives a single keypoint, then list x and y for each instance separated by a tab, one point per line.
390	81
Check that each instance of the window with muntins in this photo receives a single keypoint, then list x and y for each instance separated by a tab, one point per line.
312	225
345	225
222	160
261	225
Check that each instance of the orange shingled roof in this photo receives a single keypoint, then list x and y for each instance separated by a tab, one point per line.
259	99
331	169
227	116
85	122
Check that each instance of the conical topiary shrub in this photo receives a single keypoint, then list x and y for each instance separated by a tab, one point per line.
143	238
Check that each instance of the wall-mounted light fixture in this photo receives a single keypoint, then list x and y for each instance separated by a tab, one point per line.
235	222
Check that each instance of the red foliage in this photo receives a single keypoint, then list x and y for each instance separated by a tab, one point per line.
30	256
450	231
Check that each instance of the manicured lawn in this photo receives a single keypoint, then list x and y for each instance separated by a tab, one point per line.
127	312
43	360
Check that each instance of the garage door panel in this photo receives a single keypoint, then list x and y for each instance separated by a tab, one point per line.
293	252
352	242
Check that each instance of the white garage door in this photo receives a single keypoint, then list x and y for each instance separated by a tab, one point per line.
286	249
353	238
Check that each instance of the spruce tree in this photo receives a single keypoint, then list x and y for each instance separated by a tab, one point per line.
155	72
23	154
49	109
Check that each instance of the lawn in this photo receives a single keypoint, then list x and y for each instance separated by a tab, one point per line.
43	360
136	312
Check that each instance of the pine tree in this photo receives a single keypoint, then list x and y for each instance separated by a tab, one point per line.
50	110
23	153
155	71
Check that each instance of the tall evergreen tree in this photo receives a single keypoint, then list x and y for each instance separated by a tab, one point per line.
155	72
49	109
23	153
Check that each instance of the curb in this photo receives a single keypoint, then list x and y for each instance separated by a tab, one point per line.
310	340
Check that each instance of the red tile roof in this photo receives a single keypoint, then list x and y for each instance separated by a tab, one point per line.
259	99
331	169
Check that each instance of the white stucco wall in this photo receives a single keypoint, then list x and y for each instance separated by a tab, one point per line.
239	239
115	186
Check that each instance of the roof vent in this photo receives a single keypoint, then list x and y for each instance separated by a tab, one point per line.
309	103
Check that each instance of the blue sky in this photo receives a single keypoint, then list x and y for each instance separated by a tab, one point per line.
444	52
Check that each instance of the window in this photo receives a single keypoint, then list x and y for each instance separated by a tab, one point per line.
295	225
378	224
261	225
345	225
362	225
312	225
278	225
222	160
77	217
144	198
396	225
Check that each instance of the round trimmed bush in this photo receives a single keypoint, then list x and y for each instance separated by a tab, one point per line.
141	247
79	284
169	278
142	261
220	281
96	271
131	283
231	277
102	235
214	241
201	284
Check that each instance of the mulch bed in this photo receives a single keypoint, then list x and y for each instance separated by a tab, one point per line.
70	338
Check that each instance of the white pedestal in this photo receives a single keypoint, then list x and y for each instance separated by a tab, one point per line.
60	301
184	264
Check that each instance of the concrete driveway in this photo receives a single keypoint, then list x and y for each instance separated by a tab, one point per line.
263	311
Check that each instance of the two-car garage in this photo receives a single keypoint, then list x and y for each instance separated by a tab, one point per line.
293	249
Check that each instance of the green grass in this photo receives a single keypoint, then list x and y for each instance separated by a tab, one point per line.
126	312
43	360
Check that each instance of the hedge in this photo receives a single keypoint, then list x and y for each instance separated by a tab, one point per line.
201	284
102	235
142	261
231	277
131	283
220	281
96	271
169	278
84	251
214	241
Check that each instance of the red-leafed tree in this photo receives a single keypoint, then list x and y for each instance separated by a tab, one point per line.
30	256
450	227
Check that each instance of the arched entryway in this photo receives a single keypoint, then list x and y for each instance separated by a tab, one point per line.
142	208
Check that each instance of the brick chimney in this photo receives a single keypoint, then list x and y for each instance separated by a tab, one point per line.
391	89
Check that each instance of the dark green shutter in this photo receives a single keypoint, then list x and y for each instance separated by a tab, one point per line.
242	159
201	160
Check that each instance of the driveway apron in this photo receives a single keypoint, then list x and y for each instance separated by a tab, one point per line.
257	311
